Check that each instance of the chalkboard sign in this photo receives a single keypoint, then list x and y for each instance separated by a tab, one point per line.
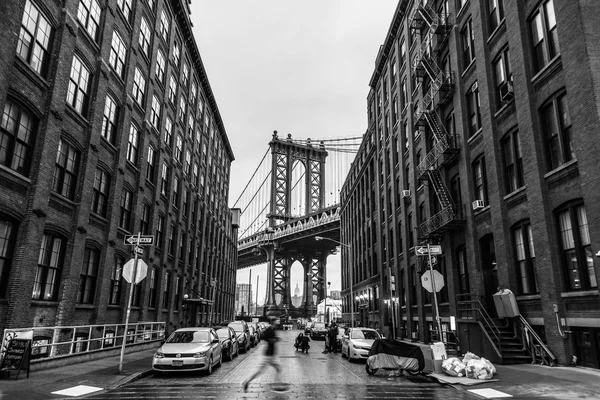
17	356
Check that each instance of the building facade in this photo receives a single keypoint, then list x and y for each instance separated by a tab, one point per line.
110	128
482	120
243	299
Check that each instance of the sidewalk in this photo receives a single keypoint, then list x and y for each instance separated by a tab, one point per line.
103	374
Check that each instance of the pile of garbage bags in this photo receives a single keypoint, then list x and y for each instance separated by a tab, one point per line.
471	366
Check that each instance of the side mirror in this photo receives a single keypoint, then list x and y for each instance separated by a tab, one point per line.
215	340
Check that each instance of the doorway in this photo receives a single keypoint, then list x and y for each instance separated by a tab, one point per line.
489	268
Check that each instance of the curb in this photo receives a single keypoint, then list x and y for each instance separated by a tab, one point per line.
131	378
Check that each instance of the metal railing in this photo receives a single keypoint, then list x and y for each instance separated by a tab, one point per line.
534	345
61	341
473	309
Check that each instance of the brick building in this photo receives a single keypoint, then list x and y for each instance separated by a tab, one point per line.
109	128
482	138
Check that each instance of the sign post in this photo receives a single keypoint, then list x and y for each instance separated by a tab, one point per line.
134	241
437	311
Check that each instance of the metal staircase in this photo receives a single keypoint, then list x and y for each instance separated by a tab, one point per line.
434	28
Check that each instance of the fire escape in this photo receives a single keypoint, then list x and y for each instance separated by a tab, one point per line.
434	28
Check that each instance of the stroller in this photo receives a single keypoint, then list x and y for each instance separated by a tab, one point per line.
390	354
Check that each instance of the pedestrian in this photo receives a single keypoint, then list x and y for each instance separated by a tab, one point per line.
269	359
331	338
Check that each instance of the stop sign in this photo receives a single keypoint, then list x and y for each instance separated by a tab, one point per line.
142	269
436	277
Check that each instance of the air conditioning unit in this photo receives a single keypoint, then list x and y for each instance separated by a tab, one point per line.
507	91
477	204
405	194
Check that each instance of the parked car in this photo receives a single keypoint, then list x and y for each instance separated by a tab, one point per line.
242	333
319	330
253	335
229	343
356	342
189	349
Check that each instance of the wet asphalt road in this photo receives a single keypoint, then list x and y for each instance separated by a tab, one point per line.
304	376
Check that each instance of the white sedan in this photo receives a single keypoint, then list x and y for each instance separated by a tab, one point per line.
189	349
356	342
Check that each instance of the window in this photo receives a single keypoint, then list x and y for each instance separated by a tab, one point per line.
409	226
172	90
171	245
576	249
176	191
152	289
109	119
473	109
182	107
394	69
169	132
160	66
496	13
463	272
34	39
151	164
193	94
395	110
178	149
503	75
403	94
468	44
117	54
513	162
133	144
64	179
145	37
151	4
556	122
195	174
525	258
8	234
402	52
100	192
125	208
114	295
176	301
17	137
544	35
125	7
480	180
164	179
79	82
165	26
186	74
176	52
188	162
88	13
50	263
139	87
87	277
145	219
167	290
160	229
155	112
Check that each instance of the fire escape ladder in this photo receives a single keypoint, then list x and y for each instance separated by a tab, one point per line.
435	177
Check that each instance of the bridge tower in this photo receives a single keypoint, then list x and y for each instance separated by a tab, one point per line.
285	153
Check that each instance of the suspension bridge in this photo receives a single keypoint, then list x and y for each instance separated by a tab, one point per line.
292	197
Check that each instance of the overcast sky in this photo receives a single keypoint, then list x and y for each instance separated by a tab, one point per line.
298	67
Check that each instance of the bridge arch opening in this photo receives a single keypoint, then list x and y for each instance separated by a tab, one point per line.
298	189
297	279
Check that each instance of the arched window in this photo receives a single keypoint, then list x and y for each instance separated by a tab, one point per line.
8	233
50	264
525	257
17	137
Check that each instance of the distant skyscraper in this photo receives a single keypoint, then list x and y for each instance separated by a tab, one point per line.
297	298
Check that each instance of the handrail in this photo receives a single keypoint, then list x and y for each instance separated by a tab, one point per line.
485	319
534	344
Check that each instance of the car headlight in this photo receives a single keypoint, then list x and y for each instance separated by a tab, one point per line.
159	354
199	354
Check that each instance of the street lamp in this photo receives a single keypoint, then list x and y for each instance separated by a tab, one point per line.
318	238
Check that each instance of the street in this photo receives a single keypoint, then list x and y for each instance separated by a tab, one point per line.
313	375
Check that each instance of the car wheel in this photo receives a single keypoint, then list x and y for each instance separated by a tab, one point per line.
210	366
371	371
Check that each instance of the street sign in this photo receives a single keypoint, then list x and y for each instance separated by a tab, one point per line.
144	240
139	250
438	280
435	250
142	270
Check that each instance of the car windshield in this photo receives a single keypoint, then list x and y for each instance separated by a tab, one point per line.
320	326
364	334
237	327
189	337
223	333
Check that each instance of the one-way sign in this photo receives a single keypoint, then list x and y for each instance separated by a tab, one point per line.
145	240
435	250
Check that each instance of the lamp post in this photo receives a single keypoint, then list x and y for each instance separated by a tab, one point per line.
318	238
